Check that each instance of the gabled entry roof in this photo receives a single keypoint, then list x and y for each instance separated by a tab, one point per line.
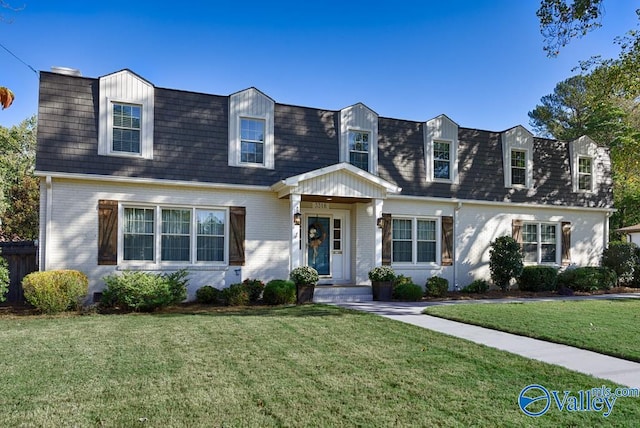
341	180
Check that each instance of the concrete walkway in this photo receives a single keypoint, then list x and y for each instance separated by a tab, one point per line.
617	370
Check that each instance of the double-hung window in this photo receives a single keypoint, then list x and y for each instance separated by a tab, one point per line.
359	149
252	141
414	240
584	173
518	167
540	242
126	128
175	234
441	160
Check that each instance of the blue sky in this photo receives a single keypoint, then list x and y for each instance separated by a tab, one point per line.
478	61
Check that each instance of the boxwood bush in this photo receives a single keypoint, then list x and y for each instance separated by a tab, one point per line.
4	279
436	286
144	291
254	287
209	295
236	295
538	278
279	292
589	278
622	258
407	291
477	286
56	290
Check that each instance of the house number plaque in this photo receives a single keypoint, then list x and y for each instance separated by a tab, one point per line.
321	205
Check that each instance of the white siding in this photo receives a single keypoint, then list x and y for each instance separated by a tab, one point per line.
74	227
363	239
252	104
340	184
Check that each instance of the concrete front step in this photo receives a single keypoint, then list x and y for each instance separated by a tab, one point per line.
342	293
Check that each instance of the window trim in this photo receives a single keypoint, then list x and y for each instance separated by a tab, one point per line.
157	232
590	174
368	152
539	243
525	168
264	141
433	160
111	126
520	139
414	242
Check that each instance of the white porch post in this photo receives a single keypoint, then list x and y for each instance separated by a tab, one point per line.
377	213
294	244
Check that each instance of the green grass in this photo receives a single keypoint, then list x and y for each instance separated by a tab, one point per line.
607	326
288	366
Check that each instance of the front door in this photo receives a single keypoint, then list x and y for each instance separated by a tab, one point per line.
326	245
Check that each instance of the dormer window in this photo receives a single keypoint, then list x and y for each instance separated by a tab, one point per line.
359	149
584	173
125	127
517	158
252	141
518	168
442	160
441	149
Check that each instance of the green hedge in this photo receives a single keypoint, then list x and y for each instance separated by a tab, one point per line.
209	295
407	291
588	278
56	290
279	292
436	287
538	278
144	291
477	286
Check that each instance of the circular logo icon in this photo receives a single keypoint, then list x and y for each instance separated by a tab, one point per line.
534	400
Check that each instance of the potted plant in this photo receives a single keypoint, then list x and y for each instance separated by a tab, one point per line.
382	278
305	278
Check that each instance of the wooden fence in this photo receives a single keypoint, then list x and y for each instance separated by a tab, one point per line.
22	257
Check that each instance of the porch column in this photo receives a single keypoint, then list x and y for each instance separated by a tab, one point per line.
377	213
294	242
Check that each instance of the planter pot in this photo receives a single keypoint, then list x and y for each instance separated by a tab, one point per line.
382	290
304	293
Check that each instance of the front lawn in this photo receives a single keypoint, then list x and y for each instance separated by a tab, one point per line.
607	326
285	366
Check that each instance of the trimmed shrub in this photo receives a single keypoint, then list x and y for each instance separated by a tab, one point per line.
236	295
56	290
477	286
436	286
589	278
279	292
4	279
505	261
401	279
177	284
408	291
622	258
538	278
140	291
209	295
254	287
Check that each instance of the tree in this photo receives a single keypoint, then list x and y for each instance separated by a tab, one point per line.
19	192
505	261
562	20
6	97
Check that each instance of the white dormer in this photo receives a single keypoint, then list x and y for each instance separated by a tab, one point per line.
251	140
583	153
441	149
125	125
517	157
359	137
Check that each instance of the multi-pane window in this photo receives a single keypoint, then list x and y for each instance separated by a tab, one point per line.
359	149
413	240
126	128
185	234
584	173
441	160
138	234
252	141
210	235
176	234
539	242
518	167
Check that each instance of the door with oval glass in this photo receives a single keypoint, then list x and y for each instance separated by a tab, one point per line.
325	250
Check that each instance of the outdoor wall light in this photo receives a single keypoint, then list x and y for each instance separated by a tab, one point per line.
297	219
380	222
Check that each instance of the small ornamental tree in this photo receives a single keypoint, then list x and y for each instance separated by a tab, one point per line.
505	261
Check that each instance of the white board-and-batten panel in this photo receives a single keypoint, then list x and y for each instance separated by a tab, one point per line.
340	184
